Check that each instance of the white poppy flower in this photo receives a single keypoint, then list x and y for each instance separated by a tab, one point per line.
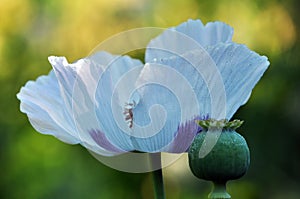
114	104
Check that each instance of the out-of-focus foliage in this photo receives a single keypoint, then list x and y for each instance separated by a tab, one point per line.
37	166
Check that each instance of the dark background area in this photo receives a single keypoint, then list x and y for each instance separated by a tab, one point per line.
37	166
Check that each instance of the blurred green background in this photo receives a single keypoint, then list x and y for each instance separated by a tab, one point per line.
37	166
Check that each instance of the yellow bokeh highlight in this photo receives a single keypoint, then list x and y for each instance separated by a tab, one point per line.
277	27
269	29
80	26
15	18
170	13
87	24
15	15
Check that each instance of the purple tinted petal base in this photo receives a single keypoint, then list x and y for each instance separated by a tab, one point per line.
103	142
184	136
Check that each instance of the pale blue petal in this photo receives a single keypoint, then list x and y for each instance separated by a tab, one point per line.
42	103
210	34
154	126
221	81
78	84
222	90
66	75
187	87
170	89
204	81
241	69
186	37
114	89
184	136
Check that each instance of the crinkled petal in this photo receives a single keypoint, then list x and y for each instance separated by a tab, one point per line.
42	103
113	94
241	69
102	141
186	37
157	115
221	78
184	136
66	75
102	94
210	34
78	83
204	92
167	90
185	87
221	88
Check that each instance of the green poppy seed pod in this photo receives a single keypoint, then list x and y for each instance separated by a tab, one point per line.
228	160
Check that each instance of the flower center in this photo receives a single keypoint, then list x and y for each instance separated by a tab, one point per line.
128	114
128	108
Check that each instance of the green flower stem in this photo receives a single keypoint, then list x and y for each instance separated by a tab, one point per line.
157	176
219	191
